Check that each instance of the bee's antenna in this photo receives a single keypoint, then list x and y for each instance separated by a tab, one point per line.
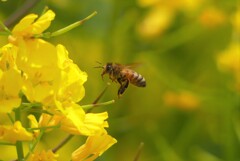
99	64
99	67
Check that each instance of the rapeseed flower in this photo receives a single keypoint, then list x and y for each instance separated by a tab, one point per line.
14	133
43	156
93	148
229	60
184	100
10	79
212	17
34	72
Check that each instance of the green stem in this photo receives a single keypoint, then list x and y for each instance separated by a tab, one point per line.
10	117
19	145
65	29
86	107
139	151
3	143
62	143
5	28
72	26
43	128
35	144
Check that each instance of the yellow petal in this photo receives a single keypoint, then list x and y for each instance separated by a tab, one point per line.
8	57
184	100
27	27
24	25
94	147
235	21
33	124
72	78
43	22
72	83
79	123
10	86
156	21
38	61
229	59
36	53
7	105
212	17
39	92
15	133
43	156
49	120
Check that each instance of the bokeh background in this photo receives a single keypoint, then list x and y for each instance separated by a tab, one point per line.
190	57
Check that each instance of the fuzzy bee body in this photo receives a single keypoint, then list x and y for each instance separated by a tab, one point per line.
134	77
123	75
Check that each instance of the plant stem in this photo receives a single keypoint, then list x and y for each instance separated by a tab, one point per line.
10	117
65	29
20	12
139	151
10	144
54	150
19	145
86	107
35	143
97	99
7	31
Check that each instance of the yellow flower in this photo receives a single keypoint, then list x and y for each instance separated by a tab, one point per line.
156	21
15	133
10	79
75	121
38	60
212	17
79	123
29	26
33	124
235	21
10	86
47	120
146	3
8	54
50	77
229	60
72	78
43	156
93	148
184	100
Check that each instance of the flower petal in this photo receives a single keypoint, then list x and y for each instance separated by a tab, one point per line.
43	22
94	147
15	133
24	25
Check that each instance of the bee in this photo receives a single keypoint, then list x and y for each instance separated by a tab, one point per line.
123	74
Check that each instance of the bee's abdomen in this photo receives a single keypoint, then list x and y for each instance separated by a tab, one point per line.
138	80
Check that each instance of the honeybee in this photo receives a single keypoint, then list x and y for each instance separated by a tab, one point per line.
123	74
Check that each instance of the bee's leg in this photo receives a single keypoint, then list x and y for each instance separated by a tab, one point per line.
119	81
112	77
123	87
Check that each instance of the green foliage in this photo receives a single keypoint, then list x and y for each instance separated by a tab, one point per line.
181	58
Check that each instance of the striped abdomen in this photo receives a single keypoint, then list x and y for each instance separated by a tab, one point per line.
136	78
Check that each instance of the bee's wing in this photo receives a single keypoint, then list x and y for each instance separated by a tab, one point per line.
132	65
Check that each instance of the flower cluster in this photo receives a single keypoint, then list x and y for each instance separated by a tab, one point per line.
229	59
36	73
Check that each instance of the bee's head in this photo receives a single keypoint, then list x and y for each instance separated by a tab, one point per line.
108	67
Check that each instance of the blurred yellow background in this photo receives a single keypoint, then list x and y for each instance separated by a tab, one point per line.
189	53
